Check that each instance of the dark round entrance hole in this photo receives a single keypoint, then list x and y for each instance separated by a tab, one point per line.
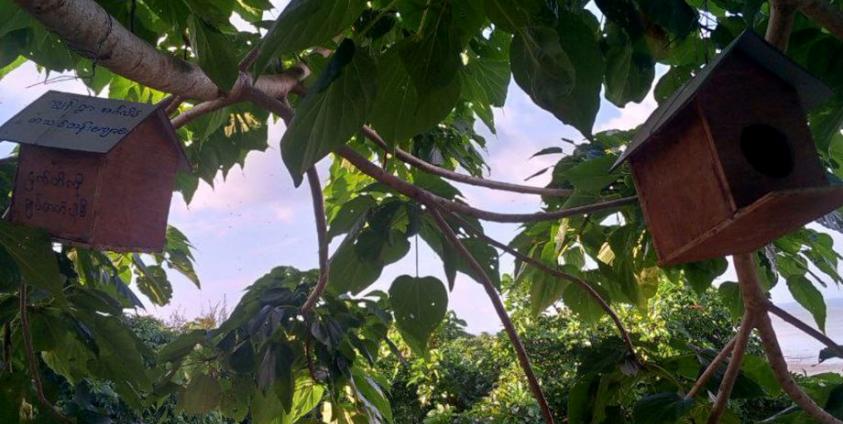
767	150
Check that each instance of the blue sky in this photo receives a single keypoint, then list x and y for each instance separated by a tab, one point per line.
256	220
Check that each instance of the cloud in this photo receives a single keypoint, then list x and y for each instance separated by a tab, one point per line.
633	115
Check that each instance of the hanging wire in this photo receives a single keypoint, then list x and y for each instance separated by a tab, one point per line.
417	255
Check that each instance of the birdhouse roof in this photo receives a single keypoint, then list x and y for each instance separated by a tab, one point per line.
812	92
82	123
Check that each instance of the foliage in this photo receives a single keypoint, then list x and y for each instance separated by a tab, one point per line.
422	72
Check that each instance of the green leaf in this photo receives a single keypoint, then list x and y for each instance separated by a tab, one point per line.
152	282
661	408
591	176
700	275
372	394
513	15
216	57
579	41
578	300
809	297
33	253
541	67
432	57
202	395
730	295
484	83
629	71
333	111
304	24
419	305
399	112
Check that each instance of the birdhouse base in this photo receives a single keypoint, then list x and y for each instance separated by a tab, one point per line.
768	218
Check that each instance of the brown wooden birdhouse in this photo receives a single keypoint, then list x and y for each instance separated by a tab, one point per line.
727	164
95	172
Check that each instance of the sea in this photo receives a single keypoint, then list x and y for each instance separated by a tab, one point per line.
802	351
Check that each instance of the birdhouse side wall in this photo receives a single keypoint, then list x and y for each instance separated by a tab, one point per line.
750	113
55	190
679	185
137	180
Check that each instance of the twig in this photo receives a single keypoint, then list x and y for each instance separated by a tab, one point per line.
426	197
420	194
734	368
397	352
754	300
562	275
782	14
173	105
32	360
322	234
463	178
520	351
792	320
7	346
308	352
711	369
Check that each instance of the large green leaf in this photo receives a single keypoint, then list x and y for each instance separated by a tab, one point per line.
809	297
304	24
432	57
332	112
152	282
201	395
629	70
33	253
399	112
419	305
579	41
661	408
484	83
541	67
216	57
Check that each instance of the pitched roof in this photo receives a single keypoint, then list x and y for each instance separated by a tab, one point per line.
811	91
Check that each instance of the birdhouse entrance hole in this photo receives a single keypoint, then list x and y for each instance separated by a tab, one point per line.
767	150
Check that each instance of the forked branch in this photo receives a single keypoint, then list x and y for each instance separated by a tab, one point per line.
711	369
734	368
754	300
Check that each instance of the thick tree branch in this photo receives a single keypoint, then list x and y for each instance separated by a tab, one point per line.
88	29
811	331
734	368
322	233
756	302
561	275
825	14
32	360
711	369
782	14
463	178
520	351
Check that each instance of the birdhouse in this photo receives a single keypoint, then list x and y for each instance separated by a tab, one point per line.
727	164
94	172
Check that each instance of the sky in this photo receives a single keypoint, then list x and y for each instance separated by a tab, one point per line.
255	219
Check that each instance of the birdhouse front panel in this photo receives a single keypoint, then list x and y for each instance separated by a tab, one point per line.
136	202
56	190
670	186
759	131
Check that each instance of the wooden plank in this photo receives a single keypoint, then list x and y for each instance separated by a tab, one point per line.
678	183
769	218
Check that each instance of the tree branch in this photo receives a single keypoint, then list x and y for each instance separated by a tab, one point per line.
463	178
825	14
322	232
734	368
711	369
520	351
792	320
755	300
31	358
561	275
782	14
